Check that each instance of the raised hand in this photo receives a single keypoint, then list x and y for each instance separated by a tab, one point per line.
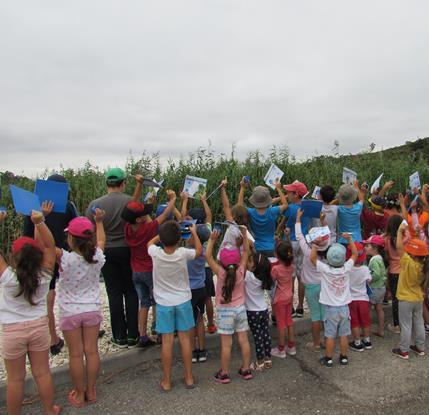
99	215
139	178
171	194
47	207
37	217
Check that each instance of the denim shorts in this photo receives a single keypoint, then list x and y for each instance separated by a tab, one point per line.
177	317
232	320
377	296
312	294
143	283
337	321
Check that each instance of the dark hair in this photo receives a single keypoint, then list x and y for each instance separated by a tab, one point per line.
327	193
229	283
392	201
114	182
240	215
86	247
392	227
28	264
382	253
169	233
284	252
131	215
262	270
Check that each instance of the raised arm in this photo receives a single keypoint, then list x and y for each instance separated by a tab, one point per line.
243	186
170	206
137	195
404	212
246	246
353	248
207	210
3	263
197	242
362	190
184	208
225	201
400	239
177	214
99	228
423	198
313	255
283	202
43	235
387	186
209	252
153	241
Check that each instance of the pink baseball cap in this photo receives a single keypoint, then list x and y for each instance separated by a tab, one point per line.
375	240
80	227
298	187
229	257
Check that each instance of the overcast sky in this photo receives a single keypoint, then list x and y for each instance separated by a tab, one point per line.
94	80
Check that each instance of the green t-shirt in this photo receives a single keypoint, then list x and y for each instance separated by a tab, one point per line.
378	271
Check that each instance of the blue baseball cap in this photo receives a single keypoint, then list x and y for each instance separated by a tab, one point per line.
185	230
160	210
336	255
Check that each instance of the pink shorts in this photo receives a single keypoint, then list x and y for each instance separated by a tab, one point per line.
17	339
283	313
90	319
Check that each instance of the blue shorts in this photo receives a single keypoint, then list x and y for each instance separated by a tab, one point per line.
232	320
312	294
143	283
177	317
337	321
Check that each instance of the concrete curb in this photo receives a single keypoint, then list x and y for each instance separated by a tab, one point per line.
126	359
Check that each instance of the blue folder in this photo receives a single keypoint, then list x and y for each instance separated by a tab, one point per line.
311	208
23	200
56	192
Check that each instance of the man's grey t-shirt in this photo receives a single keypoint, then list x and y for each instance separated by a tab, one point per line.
113	204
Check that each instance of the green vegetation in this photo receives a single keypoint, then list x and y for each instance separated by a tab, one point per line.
87	183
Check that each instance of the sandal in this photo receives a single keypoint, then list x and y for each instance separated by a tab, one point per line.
259	367
188	386
92	400
73	401
268	364
56	348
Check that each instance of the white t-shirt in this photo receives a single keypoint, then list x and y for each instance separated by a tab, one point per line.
232	233
255	295
309	273
170	275
359	276
17	309
78	288
335	287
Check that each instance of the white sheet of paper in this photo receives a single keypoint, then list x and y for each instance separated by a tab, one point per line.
376	184
317	232
153	191
194	185
349	176
415	181
316	193
273	174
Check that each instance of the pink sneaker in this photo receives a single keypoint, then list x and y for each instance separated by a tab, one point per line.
291	350
276	352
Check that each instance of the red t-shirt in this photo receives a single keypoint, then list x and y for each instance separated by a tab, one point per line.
373	223
137	240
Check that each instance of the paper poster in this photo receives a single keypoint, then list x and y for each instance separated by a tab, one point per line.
55	192
316	193
415	181
153	188
195	186
273	175
376	185
349	176
317	232
24	201
311	208
152	183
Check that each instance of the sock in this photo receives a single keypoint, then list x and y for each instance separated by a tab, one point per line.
367	339
357	342
290	345
281	348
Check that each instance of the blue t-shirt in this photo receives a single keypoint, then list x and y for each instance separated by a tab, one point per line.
264	227
290	215
349	221
197	272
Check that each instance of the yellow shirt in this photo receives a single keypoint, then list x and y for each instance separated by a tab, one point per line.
410	280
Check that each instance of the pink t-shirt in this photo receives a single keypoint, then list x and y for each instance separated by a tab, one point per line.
238	296
283	277
394	258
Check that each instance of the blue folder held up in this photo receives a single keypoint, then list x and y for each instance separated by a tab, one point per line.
51	191
23	200
311	208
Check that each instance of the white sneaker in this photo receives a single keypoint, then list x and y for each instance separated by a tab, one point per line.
291	350
278	353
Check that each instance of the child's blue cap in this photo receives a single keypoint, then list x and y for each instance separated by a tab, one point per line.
160	209
185	228
336	255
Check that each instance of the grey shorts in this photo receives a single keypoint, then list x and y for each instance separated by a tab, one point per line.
337	321
298	257
143	283
232	320
377	295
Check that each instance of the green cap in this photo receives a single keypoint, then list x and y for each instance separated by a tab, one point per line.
115	174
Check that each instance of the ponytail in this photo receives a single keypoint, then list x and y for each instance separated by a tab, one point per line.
228	287
28	265
86	247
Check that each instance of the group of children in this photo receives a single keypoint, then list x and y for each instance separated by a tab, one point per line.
265	251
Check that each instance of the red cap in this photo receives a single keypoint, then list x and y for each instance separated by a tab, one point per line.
80	227
135	206
375	240
298	187
361	253
19	243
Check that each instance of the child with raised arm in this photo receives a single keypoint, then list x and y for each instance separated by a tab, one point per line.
139	230
230	304
23	314
173	297
79	302
335	295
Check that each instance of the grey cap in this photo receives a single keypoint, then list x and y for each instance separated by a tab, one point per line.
347	194
261	197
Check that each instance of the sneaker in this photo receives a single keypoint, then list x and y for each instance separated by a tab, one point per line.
344	360
276	352
293	313
202	355
356	347
56	348
131	343
394	329
121	343
145	341
153	329
245	374
367	345
326	361
274	320
299	313
101	333
401	354
212	329
291	350
221	377
417	351
195	356
427	328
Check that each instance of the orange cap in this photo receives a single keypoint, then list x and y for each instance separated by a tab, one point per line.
416	247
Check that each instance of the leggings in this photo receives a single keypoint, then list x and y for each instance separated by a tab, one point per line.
258	322
393	284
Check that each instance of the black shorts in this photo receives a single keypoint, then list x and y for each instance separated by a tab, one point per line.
210	288
54	277
199	297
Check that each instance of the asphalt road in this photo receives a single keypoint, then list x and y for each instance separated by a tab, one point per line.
375	382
